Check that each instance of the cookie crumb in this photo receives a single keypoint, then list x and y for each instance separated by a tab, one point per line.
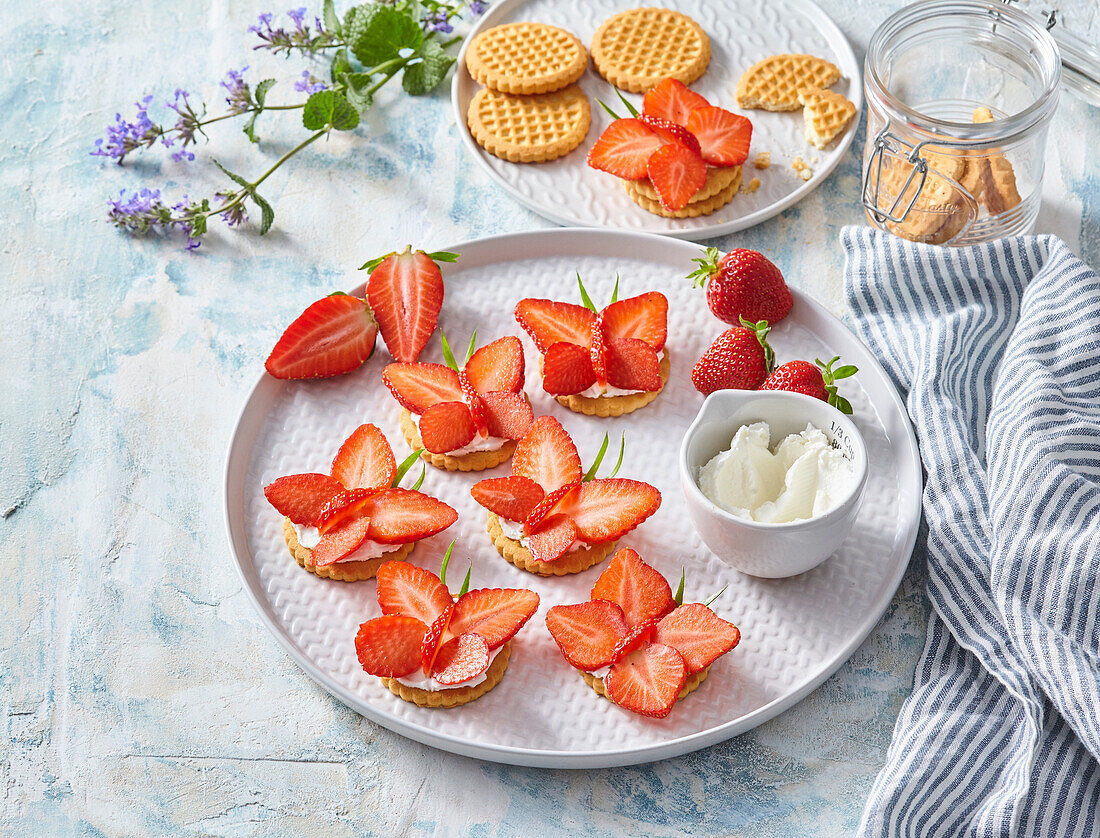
752	185
803	169
762	160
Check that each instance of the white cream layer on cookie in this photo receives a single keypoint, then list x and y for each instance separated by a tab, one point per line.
514	531
420	681
369	549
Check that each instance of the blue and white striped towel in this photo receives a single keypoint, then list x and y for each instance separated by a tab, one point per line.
997	349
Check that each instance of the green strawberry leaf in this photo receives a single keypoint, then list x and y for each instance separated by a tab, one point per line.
610	112
846	371
446	561
708	266
425	75
443	256
378	33
713	598
619	464
420	480
840	403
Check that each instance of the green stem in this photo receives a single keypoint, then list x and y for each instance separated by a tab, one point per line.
242	193
252	110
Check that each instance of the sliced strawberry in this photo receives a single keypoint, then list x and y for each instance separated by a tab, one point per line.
546	506
647	681
342	508
597	350
512	498
475	404
418	386
406	589
333	336
633	365
724	137
548	322
567	369
302	497
623	149
507	415
637	637
640	591
389	646
553	539
398	516
340	541
677	173
698	634
405	293
433	639
588	632
605	510
670	132
365	460
673	100
644	317
494	613
547	455
446	427
461	659
497	366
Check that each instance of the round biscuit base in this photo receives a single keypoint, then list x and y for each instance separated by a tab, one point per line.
638	48
476	461
690	685
529	129
453	697
515	553
341	571
694	209
607	407
718	180
526	58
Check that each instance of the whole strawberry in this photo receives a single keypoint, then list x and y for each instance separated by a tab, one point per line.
743	285
740	359
817	380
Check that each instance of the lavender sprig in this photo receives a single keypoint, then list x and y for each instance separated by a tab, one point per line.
280	40
144	212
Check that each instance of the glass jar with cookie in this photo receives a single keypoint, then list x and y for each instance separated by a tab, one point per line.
960	94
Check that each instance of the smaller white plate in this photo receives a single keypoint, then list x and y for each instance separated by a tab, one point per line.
741	32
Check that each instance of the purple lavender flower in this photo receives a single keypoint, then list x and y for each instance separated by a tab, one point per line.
298	15
437	21
144	212
124	137
240	95
280	40
477	8
235	214
309	83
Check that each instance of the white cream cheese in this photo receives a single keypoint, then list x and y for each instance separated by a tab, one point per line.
596	391
420	681
478	443
804	477
514	531
369	549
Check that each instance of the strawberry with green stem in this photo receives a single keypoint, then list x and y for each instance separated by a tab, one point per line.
742	285
817	380
739	359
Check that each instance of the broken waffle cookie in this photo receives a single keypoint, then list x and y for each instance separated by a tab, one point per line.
529	129
774	83
636	49
526	58
826	113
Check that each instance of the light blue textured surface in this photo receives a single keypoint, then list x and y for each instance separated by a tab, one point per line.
140	693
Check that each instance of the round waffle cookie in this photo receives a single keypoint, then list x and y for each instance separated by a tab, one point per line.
526	58
639	48
694	209
529	129
774	82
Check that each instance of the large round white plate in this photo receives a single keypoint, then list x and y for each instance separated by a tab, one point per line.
741	32
796	632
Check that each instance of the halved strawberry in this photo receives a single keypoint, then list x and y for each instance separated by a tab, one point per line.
677	173
365	460
588	632
507	415
461	659
342	508
389	646
447	426
494	613
433	639
644	317
406	589
418	386
623	149
670	132
398	516
553	539
724	137
698	634
567	369
548	322
405	293
512	498
607	509
633	365
475	404
547	455
673	100
648	680
497	366
640	591
332	336
597	351
546	506
637	637
302	497
340	541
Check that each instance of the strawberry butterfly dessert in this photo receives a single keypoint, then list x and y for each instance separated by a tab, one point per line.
680	157
464	418
600	363
434	649
550	518
635	643
345	524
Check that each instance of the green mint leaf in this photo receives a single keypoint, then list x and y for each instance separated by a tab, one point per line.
378	33
249	128
443	256
329	107
425	75
340	64
332	21
237	179
260	93
357	90
267	214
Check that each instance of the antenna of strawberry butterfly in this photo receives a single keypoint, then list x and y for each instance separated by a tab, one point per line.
403	469
678	597
443	572
630	108
594	469
449	356
587	300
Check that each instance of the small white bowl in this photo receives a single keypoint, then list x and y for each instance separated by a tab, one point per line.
760	549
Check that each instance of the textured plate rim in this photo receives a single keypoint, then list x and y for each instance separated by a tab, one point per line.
822	21
614	241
